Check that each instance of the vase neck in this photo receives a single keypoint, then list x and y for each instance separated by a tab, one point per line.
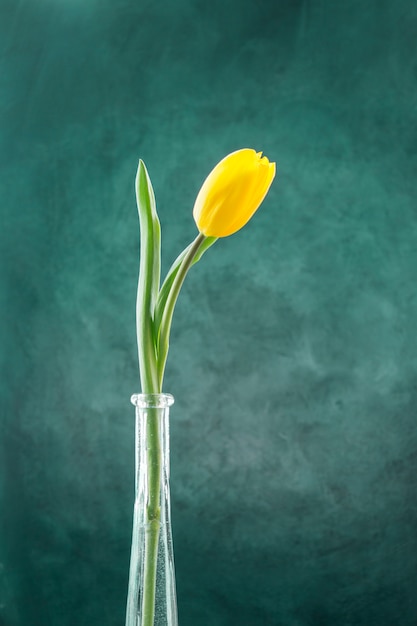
151	444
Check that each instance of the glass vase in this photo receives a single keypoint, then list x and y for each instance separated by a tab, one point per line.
151	594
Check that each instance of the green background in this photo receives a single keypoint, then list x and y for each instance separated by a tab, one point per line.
294	348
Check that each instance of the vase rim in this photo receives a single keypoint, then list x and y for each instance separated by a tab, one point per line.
152	400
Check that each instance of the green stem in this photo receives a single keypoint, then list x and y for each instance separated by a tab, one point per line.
170	277
162	325
152	517
165	327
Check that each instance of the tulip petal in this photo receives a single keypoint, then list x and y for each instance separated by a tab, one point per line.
232	192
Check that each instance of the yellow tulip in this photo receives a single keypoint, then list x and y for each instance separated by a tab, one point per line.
232	192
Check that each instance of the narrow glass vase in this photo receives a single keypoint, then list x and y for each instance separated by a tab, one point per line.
151	597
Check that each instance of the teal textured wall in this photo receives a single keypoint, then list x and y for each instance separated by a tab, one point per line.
294	351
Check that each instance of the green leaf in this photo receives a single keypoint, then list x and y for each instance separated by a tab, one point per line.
149	278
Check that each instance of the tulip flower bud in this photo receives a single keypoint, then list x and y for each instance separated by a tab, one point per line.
232	192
